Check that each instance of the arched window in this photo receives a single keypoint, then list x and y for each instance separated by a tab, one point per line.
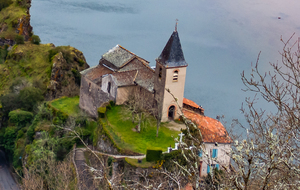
108	87
175	76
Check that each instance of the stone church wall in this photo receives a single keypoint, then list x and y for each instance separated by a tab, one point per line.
112	87
92	97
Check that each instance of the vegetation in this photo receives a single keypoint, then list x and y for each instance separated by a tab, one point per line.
153	155
9	18
19	39
68	105
35	39
5	3
28	61
3	54
124	133
143	163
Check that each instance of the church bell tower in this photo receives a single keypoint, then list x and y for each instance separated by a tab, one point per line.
170	74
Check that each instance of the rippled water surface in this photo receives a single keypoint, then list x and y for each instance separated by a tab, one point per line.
219	38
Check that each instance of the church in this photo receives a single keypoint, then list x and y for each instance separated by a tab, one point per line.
120	73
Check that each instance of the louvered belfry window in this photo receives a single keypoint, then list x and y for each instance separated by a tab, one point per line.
175	76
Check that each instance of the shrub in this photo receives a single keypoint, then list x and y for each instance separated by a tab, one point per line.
19	39
153	155
5	3
81	62
30	133
112	103
101	112
76	76
29	97
20	118
9	102
3	55
35	39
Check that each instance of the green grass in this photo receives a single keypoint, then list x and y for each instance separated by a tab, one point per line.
28	61
67	105
10	16
121	128
144	164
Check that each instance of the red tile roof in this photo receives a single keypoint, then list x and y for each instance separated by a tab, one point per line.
190	103
212	130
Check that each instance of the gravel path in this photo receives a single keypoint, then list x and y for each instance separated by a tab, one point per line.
116	156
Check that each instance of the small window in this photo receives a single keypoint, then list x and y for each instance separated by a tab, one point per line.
200	153
108	87
160	73
214	153
175	76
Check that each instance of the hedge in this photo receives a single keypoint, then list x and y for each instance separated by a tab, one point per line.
153	155
101	112
20	117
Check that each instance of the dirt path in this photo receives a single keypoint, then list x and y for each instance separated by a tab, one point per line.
6	180
115	156
175	126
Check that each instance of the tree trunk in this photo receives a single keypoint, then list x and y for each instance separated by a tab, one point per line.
157	126
139	125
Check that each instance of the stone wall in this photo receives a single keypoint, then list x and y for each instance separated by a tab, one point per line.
106	146
113	86
92	97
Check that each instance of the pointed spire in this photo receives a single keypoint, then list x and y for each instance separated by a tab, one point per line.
172	54
176	25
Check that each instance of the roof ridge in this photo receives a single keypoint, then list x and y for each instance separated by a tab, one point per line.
137	72
132	53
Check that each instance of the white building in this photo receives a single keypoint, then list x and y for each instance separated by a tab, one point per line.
215	137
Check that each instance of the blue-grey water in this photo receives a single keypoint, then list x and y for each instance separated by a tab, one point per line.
219	38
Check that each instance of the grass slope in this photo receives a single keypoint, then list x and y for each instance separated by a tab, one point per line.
122	130
67	105
143	164
9	19
29	61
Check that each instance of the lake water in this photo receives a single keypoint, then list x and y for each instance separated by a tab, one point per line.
219	38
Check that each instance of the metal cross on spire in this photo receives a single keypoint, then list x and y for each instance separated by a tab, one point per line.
176	25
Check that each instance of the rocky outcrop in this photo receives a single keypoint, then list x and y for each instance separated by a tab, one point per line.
65	75
105	145
24	28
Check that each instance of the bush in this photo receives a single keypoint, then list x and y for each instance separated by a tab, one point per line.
5	3
65	52
101	112
153	155
19	39
112	103
76	76
35	39
29	97
9	102
81	62
20	118
3	55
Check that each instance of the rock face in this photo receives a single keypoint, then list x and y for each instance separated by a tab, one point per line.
65	75
105	145
24	28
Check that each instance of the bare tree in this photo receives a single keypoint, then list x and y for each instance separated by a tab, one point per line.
269	157
140	104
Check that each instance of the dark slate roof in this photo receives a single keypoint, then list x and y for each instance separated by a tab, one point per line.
172	55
